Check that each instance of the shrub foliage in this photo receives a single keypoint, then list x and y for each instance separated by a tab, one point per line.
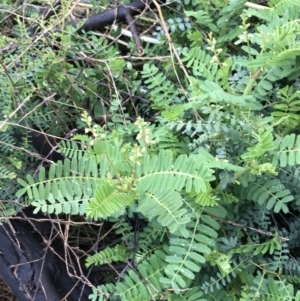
198	142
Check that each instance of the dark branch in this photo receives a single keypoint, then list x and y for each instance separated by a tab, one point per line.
134	32
115	15
32	270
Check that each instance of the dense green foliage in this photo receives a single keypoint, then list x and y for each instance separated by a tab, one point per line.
199	142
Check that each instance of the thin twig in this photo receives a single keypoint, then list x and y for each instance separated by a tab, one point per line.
253	229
